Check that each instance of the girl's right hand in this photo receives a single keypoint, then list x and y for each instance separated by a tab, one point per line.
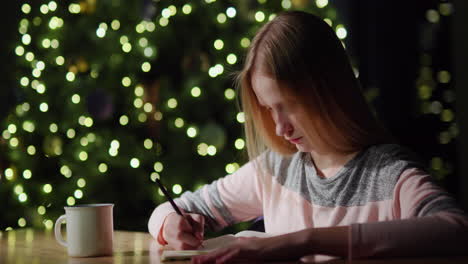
183	233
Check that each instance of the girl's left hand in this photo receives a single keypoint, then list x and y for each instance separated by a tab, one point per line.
245	249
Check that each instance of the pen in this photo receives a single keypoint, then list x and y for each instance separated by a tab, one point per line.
169	198
166	193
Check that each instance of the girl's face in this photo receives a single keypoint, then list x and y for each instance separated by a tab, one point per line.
283	111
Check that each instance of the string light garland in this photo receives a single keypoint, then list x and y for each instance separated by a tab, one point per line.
89	121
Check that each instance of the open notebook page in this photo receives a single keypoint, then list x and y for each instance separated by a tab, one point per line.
209	245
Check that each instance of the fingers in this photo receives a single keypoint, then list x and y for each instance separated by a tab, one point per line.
185	241
198	225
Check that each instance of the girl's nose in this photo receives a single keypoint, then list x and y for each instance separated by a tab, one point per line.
283	128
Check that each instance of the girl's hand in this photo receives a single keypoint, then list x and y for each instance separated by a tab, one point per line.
183	234
244	249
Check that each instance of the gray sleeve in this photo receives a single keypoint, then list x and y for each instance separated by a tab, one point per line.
194	202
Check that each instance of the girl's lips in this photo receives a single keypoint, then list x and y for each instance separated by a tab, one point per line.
295	140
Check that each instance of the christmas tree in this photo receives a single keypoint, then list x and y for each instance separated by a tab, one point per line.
113	94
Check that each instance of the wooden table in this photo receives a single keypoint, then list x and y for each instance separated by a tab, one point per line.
27	246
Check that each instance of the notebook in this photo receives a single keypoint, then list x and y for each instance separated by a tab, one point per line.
209	245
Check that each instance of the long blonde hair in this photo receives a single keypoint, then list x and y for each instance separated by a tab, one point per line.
301	50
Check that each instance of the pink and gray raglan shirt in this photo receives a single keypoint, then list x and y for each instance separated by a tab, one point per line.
392	205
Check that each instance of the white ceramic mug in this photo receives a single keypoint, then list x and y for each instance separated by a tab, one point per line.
90	230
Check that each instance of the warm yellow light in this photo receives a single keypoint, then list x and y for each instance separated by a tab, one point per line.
211	150
140	28
9	175
102	168
158	166
187	9
23	197
70	76
158	116
138	103
26	8
113	152
127	47
27	174
139	90
245	42
28	126
286	4
172	10
192	132
230	168
115	25
239	143
53	128
14	142
123	120
143	42
341	32
12	128
84	141
148	52
259	16
231	12
100	32
78	194
44	107
18	189
59	60
126	81
31	150
41	210
29	56
115	144
81	182
196	91
26	39
163	21
231	58
240	117
71	133
76	98
21	222
88	122
148	143
321	3
135	163
177	189
54	43
150	26
83	155
179	122
47	188
229	94
70	201
154	176
142	117
146	66
19	50
221	18
74	8
172	103
65	170
218	44
432	16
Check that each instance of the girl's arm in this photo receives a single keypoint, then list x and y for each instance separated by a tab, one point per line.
234	198
431	223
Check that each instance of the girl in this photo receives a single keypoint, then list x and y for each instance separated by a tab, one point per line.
323	172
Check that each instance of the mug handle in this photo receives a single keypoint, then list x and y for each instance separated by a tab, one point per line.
58	232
